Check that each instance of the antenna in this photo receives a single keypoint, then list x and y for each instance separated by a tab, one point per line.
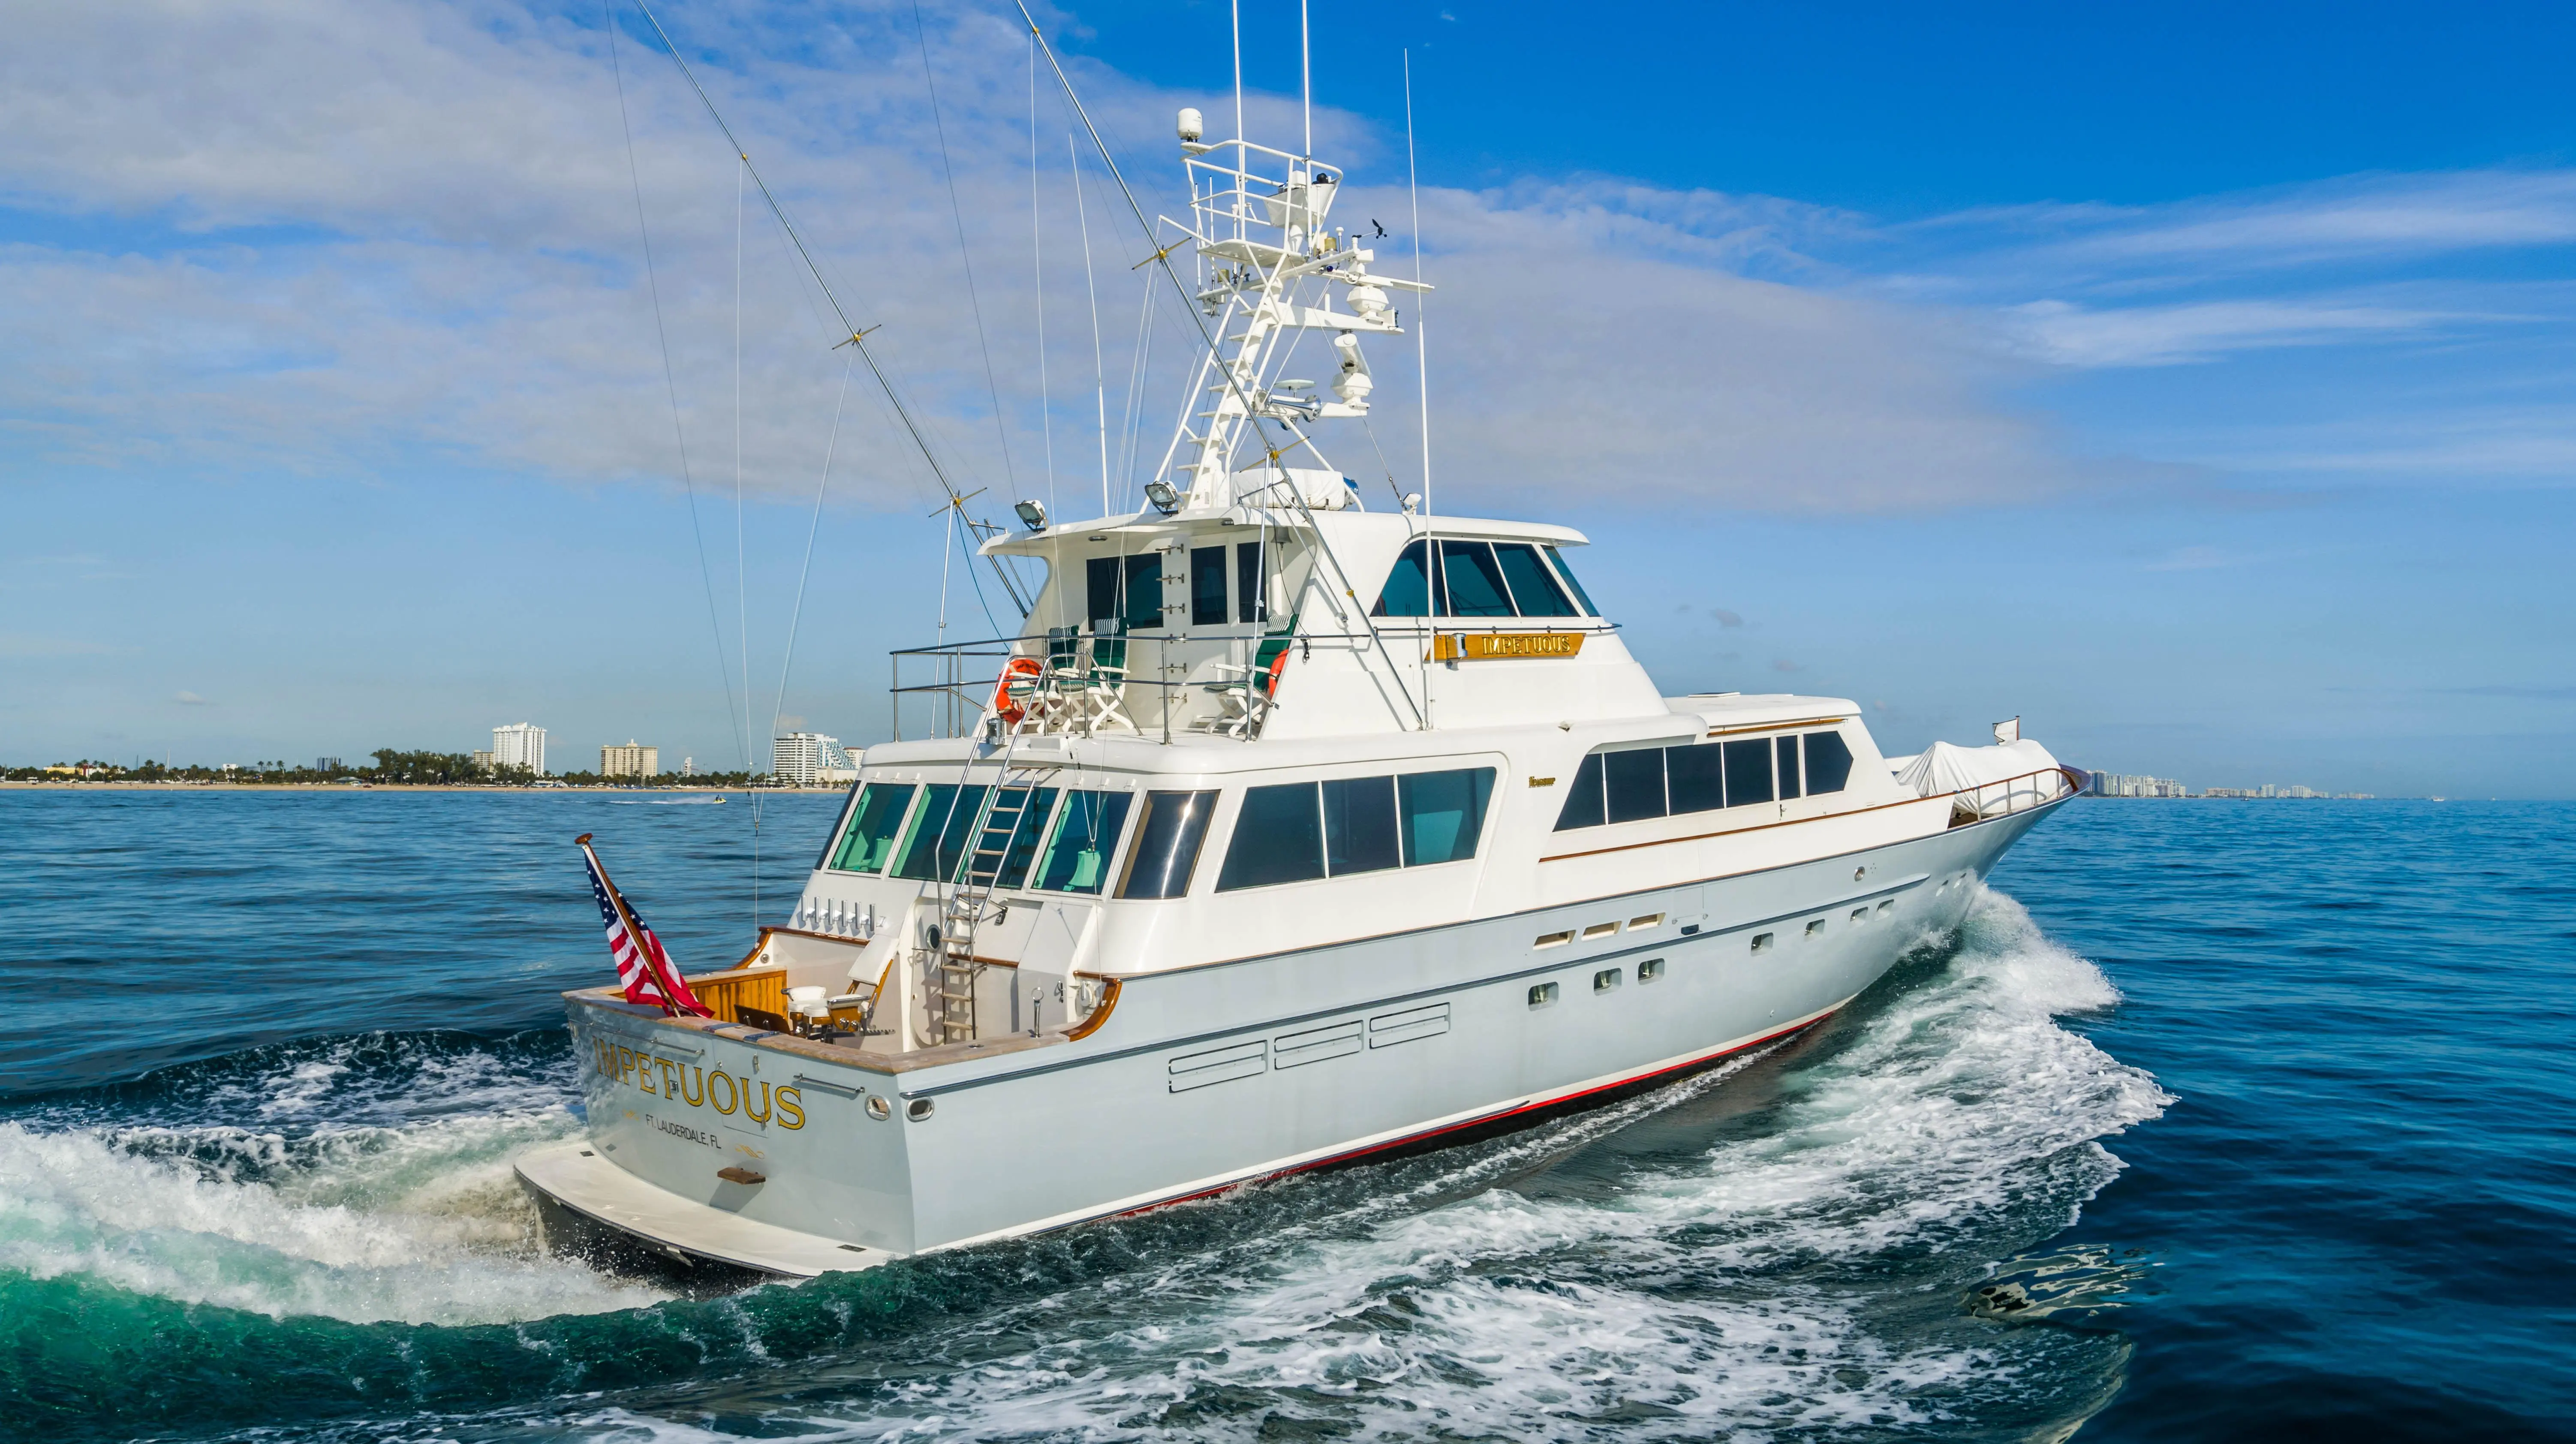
1099	374
1238	69
1306	72
1421	324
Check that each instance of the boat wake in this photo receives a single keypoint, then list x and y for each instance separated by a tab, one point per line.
1781	1247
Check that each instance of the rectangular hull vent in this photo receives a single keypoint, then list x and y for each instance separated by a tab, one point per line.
1218	1065
1388	1029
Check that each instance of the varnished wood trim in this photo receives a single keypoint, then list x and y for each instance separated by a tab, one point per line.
1099	1015
1778	726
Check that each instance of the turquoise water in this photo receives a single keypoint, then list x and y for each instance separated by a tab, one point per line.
2217	1120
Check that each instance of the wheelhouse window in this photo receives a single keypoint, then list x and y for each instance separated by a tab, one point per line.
1557	559
1128	590
1207	586
1008	841
874	825
1167	844
1278	837
1078	847
1637	783
1480	579
1444	814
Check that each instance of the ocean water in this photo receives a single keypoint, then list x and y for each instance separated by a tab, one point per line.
2218	1120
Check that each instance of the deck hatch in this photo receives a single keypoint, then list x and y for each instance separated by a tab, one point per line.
1388	1029
1218	1065
1314	1045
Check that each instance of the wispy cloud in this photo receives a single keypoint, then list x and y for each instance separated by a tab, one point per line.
191	699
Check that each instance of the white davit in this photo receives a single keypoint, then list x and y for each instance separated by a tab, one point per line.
1282	834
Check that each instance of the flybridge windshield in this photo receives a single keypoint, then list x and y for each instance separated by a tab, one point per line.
1481	579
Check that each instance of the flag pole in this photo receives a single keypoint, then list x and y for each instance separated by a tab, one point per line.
634	929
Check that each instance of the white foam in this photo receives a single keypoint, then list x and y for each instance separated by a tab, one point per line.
420	1224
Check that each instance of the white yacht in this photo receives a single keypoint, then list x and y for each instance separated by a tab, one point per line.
1289	832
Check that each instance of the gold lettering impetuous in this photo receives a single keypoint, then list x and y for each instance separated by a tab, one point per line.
700	1096
730	1100
791	1110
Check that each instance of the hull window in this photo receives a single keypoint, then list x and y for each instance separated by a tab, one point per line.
874	825
1167	844
1086	833
1444	814
1748	771
936	843
1583	800
1636	783
1829	762
1278	837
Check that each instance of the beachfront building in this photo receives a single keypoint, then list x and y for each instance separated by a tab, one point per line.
631	760
810	759
520	745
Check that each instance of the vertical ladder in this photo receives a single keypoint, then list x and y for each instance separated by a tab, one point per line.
964	910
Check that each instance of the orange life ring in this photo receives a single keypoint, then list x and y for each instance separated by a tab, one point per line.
1010	711
1278	668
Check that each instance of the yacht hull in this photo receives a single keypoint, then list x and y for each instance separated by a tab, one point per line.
1207	1078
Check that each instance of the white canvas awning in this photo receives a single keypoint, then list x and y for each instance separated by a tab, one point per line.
1944	767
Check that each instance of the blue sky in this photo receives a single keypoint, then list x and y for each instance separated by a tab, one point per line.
2195	383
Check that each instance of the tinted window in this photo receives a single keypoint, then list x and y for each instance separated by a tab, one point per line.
1583	799
1167	844
1534	592
1010	842
1407	592
1474	583
1249	604
1359	824
937	841
1077	854
1693	776
1278	837
1829	762
1127	588
1207	587
1788	756
1748	771
1567	572
1636	783
873	826
1444	813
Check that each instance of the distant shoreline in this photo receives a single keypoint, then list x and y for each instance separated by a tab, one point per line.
339	787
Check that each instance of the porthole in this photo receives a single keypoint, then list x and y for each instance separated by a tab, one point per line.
1816	926
879	1109
1605	980
918	1109
1761	942
1860	915
1542	994
1650	969
1887	907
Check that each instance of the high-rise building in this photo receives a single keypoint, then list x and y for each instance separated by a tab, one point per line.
520	745
326	764
483	761
807	758
631	760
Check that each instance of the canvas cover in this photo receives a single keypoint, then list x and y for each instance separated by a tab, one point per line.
1944	767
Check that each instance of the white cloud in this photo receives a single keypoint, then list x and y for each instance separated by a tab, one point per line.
2070	335
384	235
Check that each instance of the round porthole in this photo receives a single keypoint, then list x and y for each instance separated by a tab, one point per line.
918	1109
879	1109
1858	873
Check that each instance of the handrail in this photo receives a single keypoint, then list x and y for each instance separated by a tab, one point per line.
1978	799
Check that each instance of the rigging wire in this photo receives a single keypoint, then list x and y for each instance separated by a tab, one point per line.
1091	286
741	576
855	337
813	528
957	213
1037	264
670	381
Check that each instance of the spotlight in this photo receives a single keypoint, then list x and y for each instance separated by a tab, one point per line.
1165	499
1032	514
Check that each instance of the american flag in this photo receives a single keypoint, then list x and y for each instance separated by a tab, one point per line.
643	968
